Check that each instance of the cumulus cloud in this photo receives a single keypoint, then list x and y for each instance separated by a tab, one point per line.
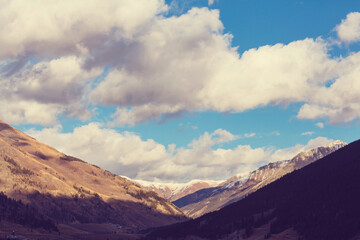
320	125
349	29
210	2
44	90
128	154
161	66
123	153
204	72
54	28
137	115
187	64
340	101
44	45
18	111
168	73
57	81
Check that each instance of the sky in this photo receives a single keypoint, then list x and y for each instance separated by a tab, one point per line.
180	90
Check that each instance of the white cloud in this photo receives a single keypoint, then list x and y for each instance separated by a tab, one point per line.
349	29
307	133
57	81
249	135
44	90
137	115
168	73
123	153
43	48
194	68
340	102
127	154
210	2
217	137
54	28
18	111
163	66
320	124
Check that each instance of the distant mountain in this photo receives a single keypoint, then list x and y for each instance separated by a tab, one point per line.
174	191
214	198
68	190
317	202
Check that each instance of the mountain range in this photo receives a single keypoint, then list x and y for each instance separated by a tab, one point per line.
175	191
237	187
317	202
67	190
198	197
311	196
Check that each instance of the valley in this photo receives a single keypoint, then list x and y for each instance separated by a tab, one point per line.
318	201
69	198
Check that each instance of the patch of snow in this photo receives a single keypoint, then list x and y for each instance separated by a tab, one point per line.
175	187
337	144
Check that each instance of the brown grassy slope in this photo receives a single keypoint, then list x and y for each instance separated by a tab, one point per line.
54	182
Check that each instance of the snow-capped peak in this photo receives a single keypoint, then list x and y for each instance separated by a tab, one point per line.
336	144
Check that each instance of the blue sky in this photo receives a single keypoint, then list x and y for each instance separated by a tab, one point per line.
189	89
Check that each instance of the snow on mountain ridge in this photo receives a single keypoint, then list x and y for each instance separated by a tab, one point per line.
173	190
264	172
239	186
175	185
318	152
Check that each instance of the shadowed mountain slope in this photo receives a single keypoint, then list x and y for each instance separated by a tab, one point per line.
319	201
67	189
237	187
17	212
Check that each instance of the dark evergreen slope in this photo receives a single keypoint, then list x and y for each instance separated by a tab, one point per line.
320	201
15	211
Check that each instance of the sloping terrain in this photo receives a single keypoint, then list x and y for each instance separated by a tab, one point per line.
237	187
319	201
17	212
69	190
174	191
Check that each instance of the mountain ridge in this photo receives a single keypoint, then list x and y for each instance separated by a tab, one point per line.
237	187
316	202
64	186
174	191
